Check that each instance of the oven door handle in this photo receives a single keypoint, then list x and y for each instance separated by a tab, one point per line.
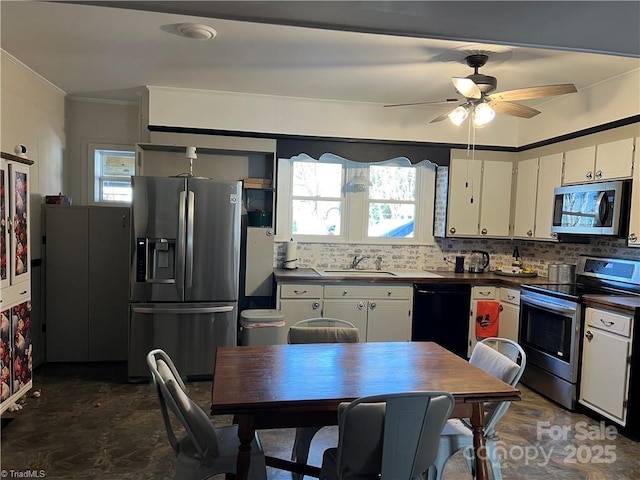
548	306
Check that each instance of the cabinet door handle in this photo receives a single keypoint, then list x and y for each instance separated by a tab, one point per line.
529	233
483	231
554	235
633	238
315	305
599	174
589	175
360	305
372	305
589	335
452	230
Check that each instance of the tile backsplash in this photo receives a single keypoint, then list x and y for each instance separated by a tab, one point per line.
441	255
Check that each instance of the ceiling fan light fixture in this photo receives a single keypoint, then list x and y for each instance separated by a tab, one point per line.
482	114
458	115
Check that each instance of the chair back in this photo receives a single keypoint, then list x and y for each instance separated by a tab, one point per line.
172	395
504	359
323	330
396	435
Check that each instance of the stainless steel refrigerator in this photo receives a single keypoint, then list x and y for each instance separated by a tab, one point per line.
184	271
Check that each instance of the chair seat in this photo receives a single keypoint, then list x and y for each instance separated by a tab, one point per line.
330	468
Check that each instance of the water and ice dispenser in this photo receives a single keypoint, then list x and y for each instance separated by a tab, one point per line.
156	260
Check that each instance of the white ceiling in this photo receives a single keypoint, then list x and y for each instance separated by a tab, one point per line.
102	52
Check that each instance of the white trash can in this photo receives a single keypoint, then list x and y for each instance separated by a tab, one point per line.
262	327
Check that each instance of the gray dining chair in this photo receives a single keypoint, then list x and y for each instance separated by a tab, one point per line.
205	450
392	437
317	330
506	360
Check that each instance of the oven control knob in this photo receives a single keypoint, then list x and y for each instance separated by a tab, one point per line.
633	238
589	335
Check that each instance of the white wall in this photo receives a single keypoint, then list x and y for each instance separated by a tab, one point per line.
33	114
88	122
599	104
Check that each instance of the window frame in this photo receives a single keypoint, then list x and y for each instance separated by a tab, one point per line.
95	176
355	215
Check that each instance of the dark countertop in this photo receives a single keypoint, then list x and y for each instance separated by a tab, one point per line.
627	304
408	277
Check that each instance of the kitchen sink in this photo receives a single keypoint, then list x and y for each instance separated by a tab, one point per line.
356	273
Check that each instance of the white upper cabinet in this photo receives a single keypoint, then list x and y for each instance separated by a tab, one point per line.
479	202
525	208
597	163
634	218
549	177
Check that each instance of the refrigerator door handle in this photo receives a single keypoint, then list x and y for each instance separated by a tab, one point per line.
189	251
181	241
182	309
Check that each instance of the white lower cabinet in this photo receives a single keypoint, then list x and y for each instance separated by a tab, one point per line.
606	350
382	313
509	324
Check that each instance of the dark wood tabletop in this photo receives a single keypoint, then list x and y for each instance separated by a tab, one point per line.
282	386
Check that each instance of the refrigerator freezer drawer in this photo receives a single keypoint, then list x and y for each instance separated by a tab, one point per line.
188	332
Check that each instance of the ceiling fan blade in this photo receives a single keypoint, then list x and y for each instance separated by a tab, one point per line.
514	109
441	117
467	87
529	93
443	102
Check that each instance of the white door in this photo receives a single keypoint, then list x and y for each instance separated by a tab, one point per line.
634	219
525	209
389	321
614	160
578	165
549	177
463	209
604	372
296	310
353	310
508	325
495	205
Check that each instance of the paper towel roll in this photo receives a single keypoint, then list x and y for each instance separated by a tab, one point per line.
290	254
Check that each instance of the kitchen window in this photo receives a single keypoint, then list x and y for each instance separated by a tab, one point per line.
113	166
317	202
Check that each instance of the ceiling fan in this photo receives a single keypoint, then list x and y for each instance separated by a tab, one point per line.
482	104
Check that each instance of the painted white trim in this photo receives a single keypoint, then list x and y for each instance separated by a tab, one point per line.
29	70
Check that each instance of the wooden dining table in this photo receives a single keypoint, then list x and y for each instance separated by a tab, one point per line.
286	386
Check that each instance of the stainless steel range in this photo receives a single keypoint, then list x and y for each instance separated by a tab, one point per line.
552	319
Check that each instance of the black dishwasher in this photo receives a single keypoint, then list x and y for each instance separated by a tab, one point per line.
441	314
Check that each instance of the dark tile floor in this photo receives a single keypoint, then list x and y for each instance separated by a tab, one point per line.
89	423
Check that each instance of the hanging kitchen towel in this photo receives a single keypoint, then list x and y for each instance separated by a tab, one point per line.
487	317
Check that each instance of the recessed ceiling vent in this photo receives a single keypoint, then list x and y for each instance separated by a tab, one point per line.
195	31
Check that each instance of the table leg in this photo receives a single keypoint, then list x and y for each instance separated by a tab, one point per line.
246	434
477	424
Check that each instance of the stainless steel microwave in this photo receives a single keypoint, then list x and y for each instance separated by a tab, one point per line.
591	209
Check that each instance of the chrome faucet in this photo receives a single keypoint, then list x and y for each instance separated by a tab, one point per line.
356	261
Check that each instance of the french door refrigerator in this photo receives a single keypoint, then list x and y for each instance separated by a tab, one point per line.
184	271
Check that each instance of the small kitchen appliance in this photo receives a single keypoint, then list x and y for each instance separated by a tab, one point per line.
459	268
478	261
